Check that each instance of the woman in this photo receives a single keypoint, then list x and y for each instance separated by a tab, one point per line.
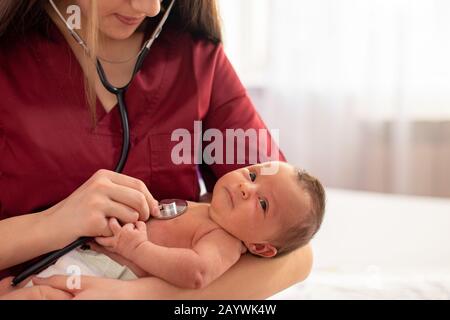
52	190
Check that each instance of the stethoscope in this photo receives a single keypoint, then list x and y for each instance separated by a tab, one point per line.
169	208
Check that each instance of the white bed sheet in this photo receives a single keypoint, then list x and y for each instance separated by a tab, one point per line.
375	246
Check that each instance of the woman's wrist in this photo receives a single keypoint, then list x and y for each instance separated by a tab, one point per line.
60	231
39	233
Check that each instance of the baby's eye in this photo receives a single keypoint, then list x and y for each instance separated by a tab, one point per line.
263	204
252	176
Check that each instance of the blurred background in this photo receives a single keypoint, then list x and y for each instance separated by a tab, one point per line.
360	91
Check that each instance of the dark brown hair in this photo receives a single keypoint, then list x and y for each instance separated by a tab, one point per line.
303	230
199	17
16	15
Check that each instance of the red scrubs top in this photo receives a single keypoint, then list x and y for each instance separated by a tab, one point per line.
48	147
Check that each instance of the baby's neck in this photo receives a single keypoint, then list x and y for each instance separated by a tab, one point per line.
197	207
201	207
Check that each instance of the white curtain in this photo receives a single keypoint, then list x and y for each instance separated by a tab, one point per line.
360	89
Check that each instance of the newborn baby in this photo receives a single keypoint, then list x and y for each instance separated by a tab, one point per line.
267	215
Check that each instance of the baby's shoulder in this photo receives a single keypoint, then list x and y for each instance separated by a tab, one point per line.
219	240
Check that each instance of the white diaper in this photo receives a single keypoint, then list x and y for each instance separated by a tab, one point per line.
87	263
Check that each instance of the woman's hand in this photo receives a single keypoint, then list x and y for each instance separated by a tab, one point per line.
37	293
7	292
91	288
106	194
55	288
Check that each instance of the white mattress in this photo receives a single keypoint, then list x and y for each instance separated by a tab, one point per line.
374	246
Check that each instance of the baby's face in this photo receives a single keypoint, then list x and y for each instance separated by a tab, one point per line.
254	207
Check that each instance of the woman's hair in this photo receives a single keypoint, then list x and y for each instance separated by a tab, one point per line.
199	17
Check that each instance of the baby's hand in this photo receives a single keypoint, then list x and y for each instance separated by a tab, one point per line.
125	239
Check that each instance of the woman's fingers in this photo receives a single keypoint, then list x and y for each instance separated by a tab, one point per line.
139	186
60	283
57	282
122	212
131	198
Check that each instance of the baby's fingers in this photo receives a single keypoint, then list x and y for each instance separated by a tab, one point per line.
141	226
114	226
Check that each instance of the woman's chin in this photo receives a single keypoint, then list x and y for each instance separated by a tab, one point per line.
118	36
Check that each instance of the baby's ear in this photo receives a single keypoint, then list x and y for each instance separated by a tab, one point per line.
265	250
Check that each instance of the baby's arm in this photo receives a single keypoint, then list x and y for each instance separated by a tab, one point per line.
193	268
213	254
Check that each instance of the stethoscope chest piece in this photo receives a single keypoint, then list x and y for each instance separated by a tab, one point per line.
171	208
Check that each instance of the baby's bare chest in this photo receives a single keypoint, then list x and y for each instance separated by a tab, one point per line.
181	232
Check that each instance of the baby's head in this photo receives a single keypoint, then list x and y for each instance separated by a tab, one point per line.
271	213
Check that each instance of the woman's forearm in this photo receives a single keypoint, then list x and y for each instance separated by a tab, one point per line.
28	236
262	278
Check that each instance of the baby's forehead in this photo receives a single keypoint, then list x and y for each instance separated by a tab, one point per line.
291	196
275	169
288	191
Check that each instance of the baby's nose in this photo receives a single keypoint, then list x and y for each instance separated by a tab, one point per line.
247	190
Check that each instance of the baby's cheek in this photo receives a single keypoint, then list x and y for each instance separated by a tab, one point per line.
250	211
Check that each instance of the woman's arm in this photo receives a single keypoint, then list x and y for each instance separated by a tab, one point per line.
28	236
